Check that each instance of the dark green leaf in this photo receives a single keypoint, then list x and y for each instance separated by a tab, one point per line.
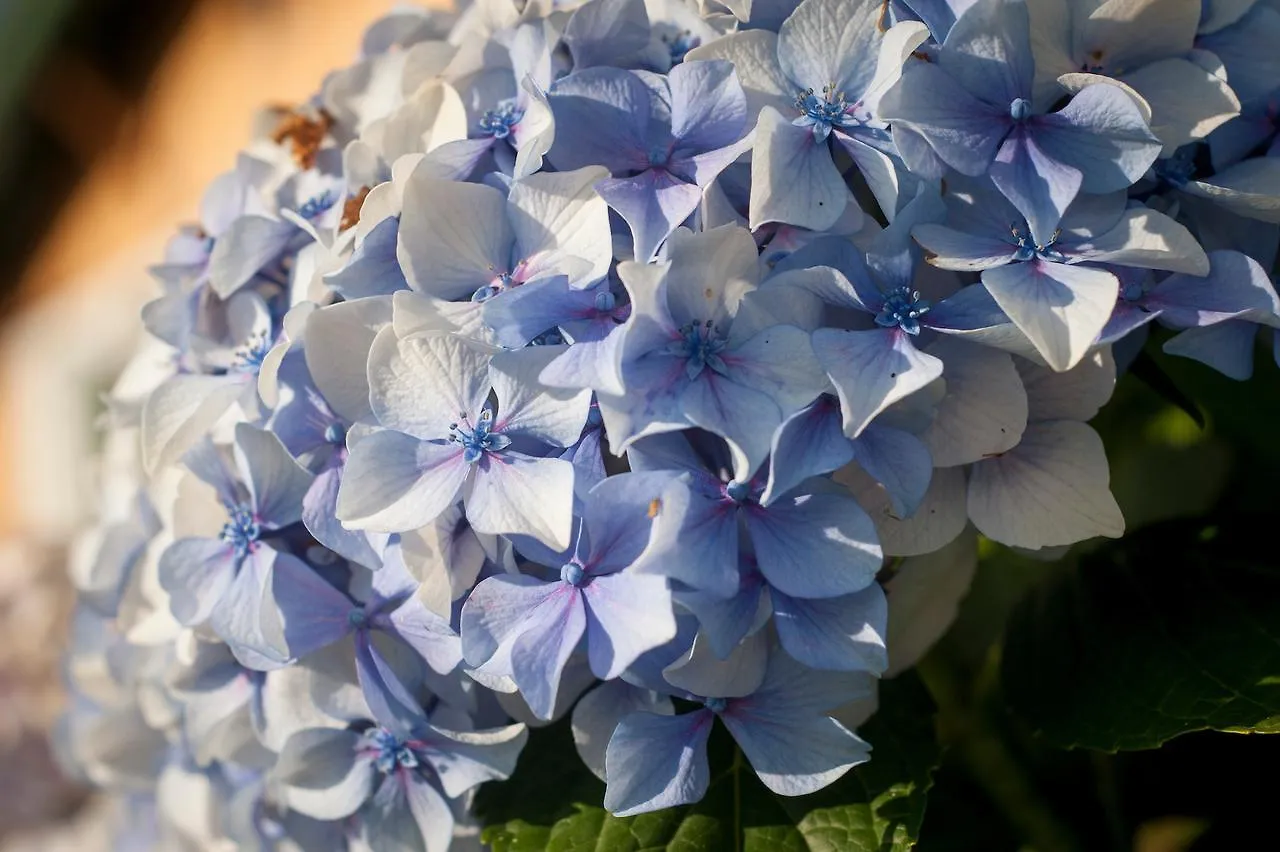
1174	629
552	804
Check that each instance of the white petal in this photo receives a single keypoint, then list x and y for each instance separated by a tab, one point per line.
454	237
938	520
924	598
181	411
559	214
1060	308
423	384
1150	240
985	408
793	178
754	54
527	407
1187	102
338	340
1051	489
1075	394
520	495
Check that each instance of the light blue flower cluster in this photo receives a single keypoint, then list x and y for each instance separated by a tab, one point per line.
614	358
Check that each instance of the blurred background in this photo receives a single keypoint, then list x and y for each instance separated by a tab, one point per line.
114	115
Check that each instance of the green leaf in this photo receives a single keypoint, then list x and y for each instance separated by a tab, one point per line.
552	803
1171	630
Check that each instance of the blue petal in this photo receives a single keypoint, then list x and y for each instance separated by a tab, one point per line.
815	543
608	32
602	118
1226	347
373	269
314	614
897	460
809	443
653	203
1102	134
1040	186
656	762
835	634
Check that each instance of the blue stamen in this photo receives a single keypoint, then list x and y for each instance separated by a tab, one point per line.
501	283
737	491
335	433
313	207
249	358
903	308
392	752
357	617
1020	109
499	121
242	529
700	345
573	574
605	301
477	441
826	112
1029	250
716	705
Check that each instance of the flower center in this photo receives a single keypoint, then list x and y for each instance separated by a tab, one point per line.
392	752
249	357
679	44
1020	109
1028	249
716	705
357	617
1178	169
499	121
335	433
479	439
902	309
700	344
242	529
314	206
573	573
605	301
830	110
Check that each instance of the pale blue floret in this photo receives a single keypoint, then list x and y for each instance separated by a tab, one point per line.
826	112
499	121
392	752
903	308
242	530
477	441
700	345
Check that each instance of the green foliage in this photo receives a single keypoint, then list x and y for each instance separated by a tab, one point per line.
552	804
1173	629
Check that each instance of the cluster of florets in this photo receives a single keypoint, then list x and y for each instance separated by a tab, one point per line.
616	359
